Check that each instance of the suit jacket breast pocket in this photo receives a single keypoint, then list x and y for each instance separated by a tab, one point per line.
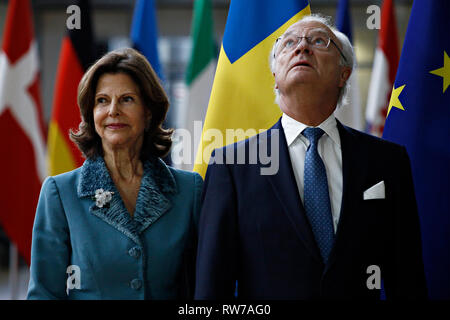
374	208
374	221
373	212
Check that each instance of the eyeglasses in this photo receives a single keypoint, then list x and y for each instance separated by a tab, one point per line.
318	40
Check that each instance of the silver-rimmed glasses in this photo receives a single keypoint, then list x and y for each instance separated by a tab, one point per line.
319	40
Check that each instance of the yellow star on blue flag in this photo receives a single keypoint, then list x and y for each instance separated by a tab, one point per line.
444	72
395	100
424	129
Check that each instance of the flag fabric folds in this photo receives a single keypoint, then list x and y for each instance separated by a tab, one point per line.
383	72
199	75
144	33
419	119
242	95
349	114
77	53
144	38
22	130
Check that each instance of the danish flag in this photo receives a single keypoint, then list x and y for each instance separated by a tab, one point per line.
22	130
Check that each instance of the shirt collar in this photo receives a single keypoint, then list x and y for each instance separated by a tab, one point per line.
293	128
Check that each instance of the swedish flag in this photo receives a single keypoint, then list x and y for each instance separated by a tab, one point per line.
242	96
419	119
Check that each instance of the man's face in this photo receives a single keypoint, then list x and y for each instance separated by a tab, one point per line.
303	64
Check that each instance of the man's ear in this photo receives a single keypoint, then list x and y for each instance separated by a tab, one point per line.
276	86
345	74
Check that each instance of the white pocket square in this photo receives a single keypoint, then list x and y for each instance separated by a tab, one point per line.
375	192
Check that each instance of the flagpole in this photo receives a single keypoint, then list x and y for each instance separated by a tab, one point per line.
13	271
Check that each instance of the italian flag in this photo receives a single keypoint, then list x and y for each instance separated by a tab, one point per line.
199	75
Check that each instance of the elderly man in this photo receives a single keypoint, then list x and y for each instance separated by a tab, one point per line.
339	218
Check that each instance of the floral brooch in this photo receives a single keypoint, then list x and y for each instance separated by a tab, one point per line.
102	198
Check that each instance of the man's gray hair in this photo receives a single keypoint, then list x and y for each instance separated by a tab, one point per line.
347	50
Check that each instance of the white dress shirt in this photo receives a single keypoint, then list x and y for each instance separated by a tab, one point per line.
329	148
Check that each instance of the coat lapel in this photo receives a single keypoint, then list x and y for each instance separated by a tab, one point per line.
286	190
151	203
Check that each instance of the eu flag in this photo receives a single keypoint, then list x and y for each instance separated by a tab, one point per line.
419	119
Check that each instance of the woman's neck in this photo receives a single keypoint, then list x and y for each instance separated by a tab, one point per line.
123	165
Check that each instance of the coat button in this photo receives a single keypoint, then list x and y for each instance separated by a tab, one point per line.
136	284
135	252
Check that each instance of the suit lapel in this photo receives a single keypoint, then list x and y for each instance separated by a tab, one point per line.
286	190
353	172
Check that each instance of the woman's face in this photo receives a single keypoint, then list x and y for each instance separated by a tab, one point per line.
119	114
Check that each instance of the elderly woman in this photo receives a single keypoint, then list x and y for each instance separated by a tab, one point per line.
122	226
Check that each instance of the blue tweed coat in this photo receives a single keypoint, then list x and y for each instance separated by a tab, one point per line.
81	251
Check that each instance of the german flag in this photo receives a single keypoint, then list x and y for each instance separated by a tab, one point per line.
77	53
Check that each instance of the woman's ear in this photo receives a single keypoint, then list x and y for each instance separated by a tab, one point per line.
148	119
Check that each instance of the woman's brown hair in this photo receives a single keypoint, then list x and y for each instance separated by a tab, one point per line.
157	141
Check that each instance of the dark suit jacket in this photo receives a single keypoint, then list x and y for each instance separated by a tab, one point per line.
253	228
